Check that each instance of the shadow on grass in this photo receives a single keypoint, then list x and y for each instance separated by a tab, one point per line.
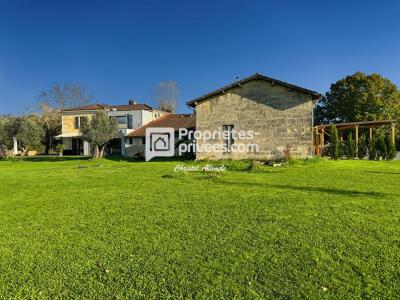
140	159
52	158
329	190
385	173
333	191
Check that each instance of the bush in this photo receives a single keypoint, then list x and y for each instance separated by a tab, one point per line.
381	148
287	154
362	146
372	151
351	147
391	148
60	149
335	144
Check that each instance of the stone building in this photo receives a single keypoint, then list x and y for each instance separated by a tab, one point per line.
280	115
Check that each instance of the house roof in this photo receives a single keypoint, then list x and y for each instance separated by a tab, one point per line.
110	107
131	107
175	121
314	95
87	107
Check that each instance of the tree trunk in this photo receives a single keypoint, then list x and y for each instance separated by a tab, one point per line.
96	151
102	151
24	151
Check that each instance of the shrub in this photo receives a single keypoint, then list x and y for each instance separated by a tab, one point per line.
60	149
335	144
372	151
362	146
287	153
381	146
351	147
391	148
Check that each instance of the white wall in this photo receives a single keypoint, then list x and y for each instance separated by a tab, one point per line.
136	117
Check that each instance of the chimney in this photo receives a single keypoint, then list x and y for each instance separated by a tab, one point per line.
132	102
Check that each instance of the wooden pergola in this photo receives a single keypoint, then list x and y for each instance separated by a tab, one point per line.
320	132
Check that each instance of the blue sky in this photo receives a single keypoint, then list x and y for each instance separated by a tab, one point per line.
121	50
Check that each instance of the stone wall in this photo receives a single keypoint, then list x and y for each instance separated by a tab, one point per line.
280	117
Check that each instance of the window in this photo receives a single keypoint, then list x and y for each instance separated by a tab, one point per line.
76	123
79	121
82	121
143	140
228	136
121	120
129	121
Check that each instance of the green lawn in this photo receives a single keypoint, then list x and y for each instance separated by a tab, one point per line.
117	229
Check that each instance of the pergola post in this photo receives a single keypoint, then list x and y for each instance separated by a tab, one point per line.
322	139
370	134
393	133
316	141
357	141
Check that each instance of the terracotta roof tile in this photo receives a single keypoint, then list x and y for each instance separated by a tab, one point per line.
175	121
110	107
87	107
131	107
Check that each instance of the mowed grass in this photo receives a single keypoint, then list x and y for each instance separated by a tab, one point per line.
117	229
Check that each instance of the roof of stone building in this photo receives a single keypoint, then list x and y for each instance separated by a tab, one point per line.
175	121
314	95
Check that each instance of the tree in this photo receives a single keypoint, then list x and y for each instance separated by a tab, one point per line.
50	120
334	146
359	97
372	150
362	147
381	146
70	94
391	147
51	101
4	145
99	131
27	130
166	95
351	147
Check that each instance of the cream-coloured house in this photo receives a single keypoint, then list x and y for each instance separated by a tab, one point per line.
129	117
280	115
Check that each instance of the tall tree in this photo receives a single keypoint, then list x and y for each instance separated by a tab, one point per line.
99	131
51	101
67	95
50	119
167	95
359	97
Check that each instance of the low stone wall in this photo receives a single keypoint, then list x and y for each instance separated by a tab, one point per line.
134	150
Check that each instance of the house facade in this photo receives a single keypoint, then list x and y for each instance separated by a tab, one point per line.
279	114
129	117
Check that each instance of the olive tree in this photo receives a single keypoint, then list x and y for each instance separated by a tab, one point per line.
26	129
99	131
